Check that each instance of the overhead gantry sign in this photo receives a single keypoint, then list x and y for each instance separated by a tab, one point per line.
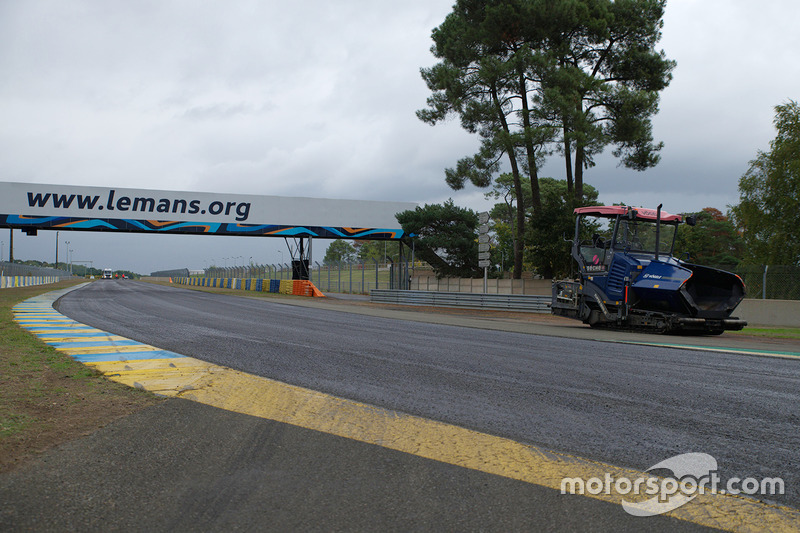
33	207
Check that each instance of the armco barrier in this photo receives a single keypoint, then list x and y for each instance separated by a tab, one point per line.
285	286
507	302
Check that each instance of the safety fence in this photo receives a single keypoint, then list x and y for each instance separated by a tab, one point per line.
361	278
18	275
778	282
764	282
539	287
279	286
354	278
769	282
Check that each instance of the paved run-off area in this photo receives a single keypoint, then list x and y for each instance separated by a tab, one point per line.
217	385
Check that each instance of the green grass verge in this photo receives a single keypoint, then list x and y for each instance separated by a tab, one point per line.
23	359
774	333
46	397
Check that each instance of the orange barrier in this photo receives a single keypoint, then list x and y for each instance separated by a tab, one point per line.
306	288
309	289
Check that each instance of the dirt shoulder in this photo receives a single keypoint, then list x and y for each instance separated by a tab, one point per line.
47	398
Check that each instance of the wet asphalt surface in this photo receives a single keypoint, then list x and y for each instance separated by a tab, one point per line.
627	405
182	466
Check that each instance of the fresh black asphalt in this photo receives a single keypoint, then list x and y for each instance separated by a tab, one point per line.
631	406
627	405
183	466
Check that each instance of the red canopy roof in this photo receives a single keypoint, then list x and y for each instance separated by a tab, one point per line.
613	210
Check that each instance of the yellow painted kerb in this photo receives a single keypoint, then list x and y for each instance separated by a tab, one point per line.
257	396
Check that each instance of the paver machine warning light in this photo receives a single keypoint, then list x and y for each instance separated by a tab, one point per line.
628	277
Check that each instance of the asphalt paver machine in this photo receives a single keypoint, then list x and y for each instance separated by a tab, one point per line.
628	277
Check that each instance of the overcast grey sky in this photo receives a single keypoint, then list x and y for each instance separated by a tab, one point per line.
318	98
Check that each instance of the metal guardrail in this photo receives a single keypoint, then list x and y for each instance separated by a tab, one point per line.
506	302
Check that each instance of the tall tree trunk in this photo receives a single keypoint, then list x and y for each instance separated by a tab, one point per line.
578	174
580	152
568	160
519	229
536	198
535	181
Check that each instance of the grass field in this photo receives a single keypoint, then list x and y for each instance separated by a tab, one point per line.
46	397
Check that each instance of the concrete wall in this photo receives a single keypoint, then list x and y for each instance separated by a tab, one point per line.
781	313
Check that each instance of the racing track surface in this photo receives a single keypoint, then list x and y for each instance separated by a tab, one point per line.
627	405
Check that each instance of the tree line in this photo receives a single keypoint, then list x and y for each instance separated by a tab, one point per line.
762	229
536	79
